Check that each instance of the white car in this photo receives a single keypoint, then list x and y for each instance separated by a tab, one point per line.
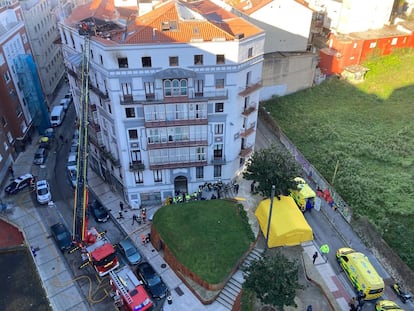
43	192
64	102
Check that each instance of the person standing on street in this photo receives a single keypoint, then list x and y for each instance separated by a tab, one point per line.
314	257
11	171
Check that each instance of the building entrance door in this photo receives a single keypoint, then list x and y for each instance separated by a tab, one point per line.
180	184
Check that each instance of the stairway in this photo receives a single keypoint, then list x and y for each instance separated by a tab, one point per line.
233	287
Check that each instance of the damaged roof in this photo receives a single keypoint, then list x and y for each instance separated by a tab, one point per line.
174	21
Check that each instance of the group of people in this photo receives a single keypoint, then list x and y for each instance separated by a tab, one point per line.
356	303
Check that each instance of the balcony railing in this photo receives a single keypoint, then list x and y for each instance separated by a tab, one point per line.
218	161
107	155
177	144
151	124
250	89
98	92
159	166
245	151
136	166
247	132
249	110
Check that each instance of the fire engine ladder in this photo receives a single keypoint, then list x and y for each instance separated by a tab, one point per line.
81	190
120	286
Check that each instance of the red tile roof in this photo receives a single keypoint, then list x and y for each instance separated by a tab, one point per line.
172	21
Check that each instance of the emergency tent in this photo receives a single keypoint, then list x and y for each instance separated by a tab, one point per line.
288	226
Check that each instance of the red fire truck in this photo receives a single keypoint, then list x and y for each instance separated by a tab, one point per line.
100	252
128	292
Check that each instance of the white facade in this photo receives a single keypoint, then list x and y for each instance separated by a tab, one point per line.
349	16
160	123
42	29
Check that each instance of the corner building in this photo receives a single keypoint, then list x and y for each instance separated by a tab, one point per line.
173	95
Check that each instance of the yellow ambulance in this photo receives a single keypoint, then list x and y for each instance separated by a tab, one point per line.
361	273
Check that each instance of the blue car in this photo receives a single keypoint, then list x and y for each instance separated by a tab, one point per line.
130	252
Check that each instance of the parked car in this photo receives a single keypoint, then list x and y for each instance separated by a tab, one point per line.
387	305
129	251
72	160
69	95
43	194
72	176
62	236
18	184
40	156
99	212
64	102
152	281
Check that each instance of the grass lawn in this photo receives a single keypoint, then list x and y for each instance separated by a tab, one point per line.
208	237
369	129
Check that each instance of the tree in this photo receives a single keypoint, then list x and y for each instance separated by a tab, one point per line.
274	280
272	166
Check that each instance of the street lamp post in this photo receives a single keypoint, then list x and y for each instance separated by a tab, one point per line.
272	196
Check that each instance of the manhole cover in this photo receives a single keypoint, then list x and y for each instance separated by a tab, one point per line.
179	291
163	265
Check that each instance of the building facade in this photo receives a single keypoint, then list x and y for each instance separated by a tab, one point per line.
15	117
173	94
42	29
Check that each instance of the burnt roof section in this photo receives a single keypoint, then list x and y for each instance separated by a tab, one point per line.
174	21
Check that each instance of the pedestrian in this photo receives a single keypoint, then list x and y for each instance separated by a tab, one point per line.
144	215
252	186
309	308
314	257
121	206
11	171
236	188
134	219
148	238
120	216
360	297
352	304
61	138
143	239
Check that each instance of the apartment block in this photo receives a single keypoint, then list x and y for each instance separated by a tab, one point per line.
173	94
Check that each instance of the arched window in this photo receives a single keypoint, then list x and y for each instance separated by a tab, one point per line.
175	87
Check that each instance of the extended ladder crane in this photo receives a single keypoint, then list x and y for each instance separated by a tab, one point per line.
96	248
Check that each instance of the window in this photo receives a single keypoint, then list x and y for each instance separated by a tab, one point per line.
372	45
218	151
139	177
200	172
248	78
175	87
91	53
173	61
136	156
394	41
6	77
218	128
220	59
219	107
133	134
24	38
217	171
3	121
250	53
198	59
123	62
146	61
130	112
219	83
157	176
101	59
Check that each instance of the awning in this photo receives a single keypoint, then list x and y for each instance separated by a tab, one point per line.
172	73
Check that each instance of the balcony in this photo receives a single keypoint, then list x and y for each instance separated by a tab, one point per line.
136	166
176	144
164	123
247	132
107	155
160	166
98	92
245	151
248	110
250	89
218	161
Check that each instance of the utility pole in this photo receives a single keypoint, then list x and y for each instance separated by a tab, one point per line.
269	220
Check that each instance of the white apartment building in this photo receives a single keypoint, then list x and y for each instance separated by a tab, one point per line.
173	94
349	16
42	29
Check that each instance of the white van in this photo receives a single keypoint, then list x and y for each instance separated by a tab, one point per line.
57	115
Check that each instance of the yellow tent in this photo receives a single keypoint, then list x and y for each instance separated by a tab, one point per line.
288	225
